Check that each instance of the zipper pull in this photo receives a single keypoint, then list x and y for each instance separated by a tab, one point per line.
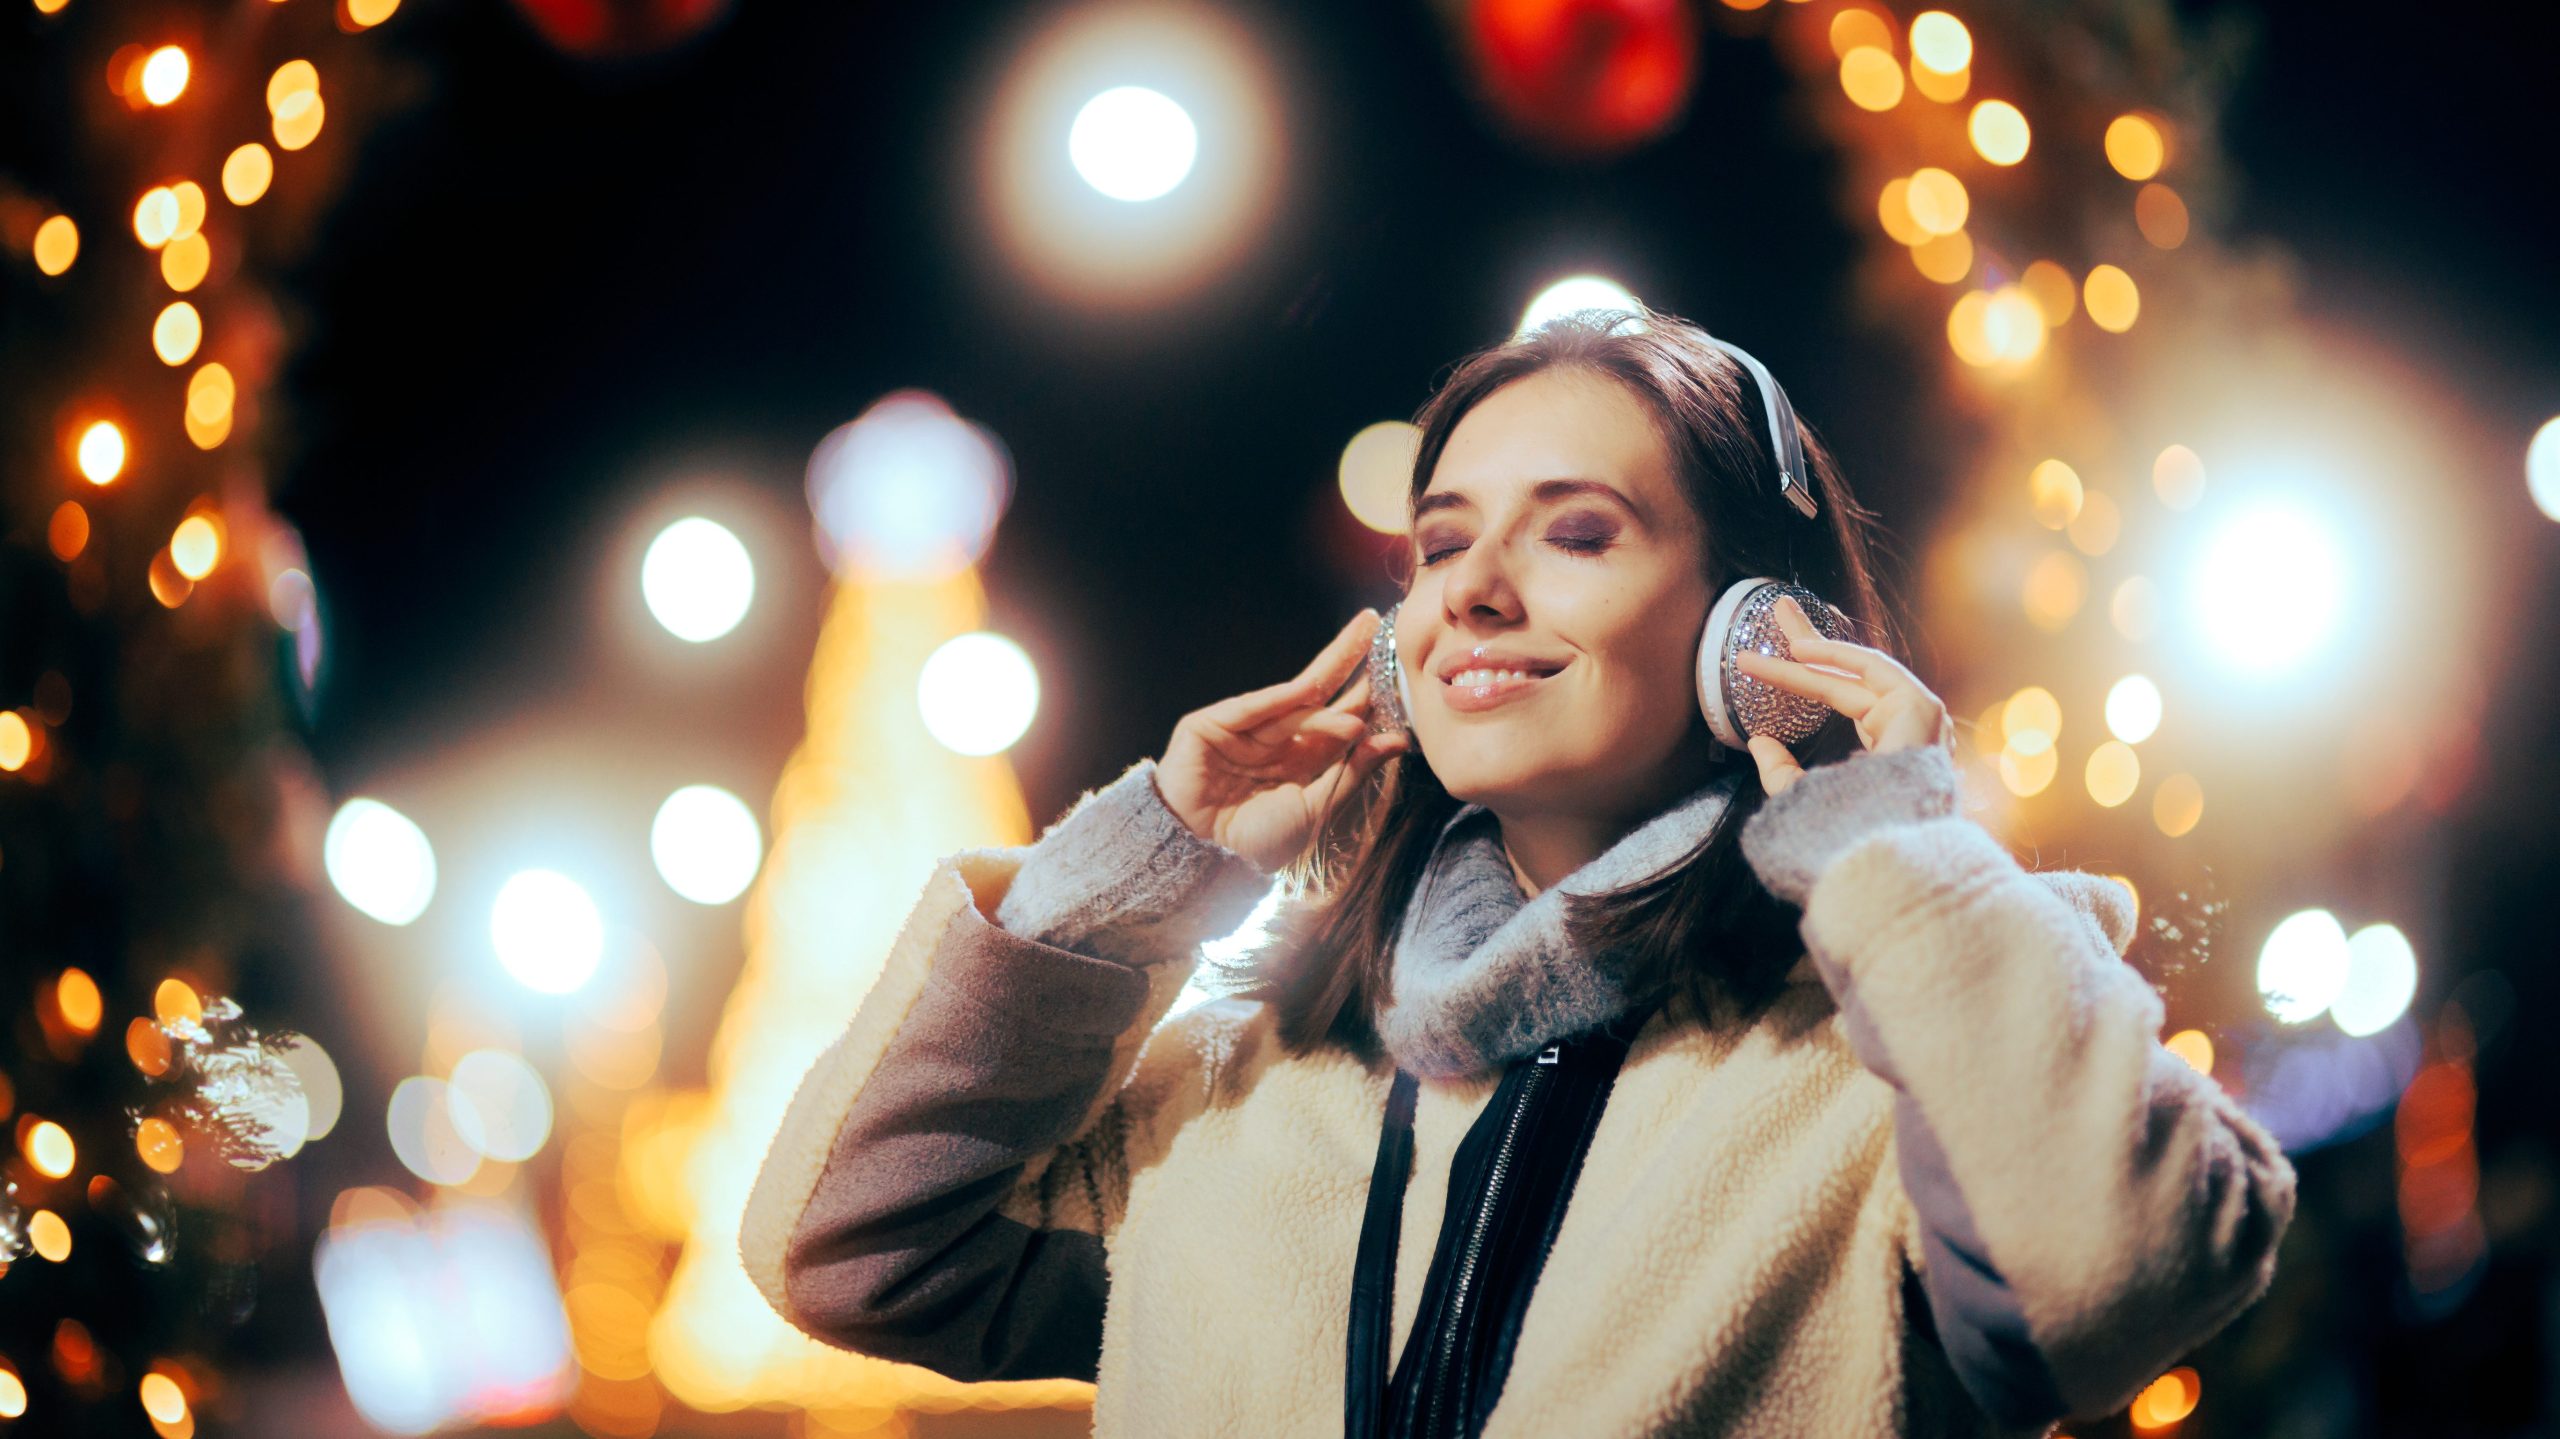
1552	1054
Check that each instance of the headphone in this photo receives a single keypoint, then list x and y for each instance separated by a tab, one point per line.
1736	705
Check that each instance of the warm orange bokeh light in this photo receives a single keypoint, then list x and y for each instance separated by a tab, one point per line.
1998	131
68	532
49	1149
2136	147
57	244
147	1047
159	1144
175	1000
247	173
1871	78
2111	299
17	742
76	995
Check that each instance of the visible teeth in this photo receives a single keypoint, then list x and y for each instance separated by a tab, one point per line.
1473	679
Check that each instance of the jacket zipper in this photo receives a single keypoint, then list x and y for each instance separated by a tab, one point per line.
1460	1289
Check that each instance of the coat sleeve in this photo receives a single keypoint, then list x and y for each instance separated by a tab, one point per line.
943	1182
2090	1207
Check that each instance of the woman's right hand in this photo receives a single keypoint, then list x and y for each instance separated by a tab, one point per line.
1258	772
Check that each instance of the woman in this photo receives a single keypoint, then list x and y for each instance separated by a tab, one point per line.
1876	1134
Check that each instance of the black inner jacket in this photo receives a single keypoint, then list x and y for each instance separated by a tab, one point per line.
1509	1183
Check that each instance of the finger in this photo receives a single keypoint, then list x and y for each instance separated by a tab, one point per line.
1807	643
1334	661
1778	767
1311	686
1244	713
1355	698
1848	696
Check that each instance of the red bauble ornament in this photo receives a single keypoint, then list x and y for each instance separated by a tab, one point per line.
1585	76
620	29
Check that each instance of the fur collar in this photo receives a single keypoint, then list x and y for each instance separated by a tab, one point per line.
1484	977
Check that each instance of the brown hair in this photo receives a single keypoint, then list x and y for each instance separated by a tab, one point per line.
1704	929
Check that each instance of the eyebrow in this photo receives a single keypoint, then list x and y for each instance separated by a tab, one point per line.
1543	492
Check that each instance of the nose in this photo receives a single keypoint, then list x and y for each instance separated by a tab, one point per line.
1479	587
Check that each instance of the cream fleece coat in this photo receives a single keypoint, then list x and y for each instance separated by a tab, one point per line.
1949	1183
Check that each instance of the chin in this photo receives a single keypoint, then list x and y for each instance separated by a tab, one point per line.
1488	771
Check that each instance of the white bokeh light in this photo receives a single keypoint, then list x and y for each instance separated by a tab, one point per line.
1577	292
706	844
697	579
379	861
2270	588
907	489
2303	966
2382	977
2542	468
548	933
322	1090
510	1104
978	693
2133	709
1132	143
434	1132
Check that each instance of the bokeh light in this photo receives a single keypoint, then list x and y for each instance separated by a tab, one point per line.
1947	259
706	844
185	261
323	1092
164	75
162	1399
1940	41
2053	290
175	335
2056	585
247	172
508	1105
379	861
2178	805
2133	709
1576	292
2111	298
547	931
2161	215
1871	78
1132	143
2302	968
49	1235
1893	208
1377	472
159	1145
17	741
429	1124
2194	1046
1939	204
2054	494
2135	147
697	579
101	452
155	217
1999	132
907	489
2269	588
2382	977
195	547
57	244
2177	477
978	693
2542	468
76	995
2113	773
48	1147
298	120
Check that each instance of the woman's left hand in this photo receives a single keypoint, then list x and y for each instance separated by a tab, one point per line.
1889	705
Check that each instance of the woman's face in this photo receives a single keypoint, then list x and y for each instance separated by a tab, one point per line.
1554	538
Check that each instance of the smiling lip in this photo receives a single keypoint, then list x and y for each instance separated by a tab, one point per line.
1469	699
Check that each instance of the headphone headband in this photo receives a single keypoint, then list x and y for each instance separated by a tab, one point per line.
1795	486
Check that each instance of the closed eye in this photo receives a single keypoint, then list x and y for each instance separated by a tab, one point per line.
1570	544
